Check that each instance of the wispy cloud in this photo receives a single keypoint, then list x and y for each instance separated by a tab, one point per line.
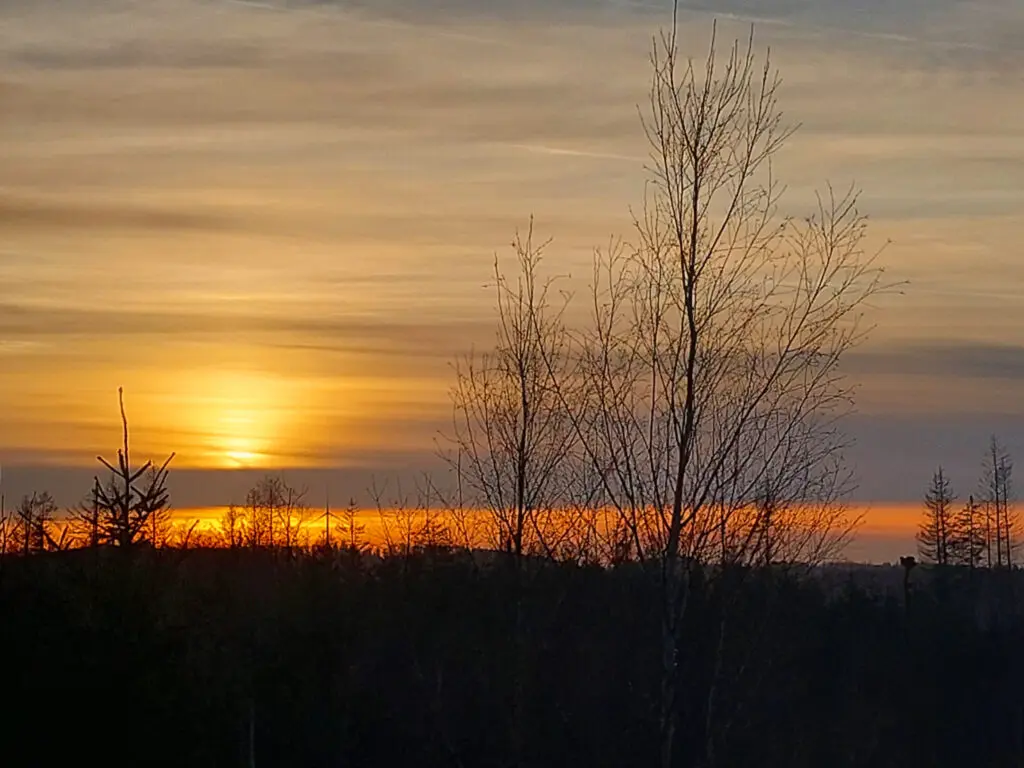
942	359
23	212
564	152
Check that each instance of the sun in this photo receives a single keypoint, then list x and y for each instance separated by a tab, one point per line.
239	417
242	437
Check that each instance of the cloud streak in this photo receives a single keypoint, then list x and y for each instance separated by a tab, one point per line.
943	358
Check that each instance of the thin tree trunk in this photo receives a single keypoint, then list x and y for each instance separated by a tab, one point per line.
668	692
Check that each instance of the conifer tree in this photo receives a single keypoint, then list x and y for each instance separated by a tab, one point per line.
967	543
936	532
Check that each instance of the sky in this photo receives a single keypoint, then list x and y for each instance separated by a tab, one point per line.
273	222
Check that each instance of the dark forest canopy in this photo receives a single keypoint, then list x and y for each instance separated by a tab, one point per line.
325	658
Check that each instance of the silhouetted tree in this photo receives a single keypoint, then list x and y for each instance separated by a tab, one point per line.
407	523
937	533
160	527
397	517
131	497
183	535
712	359
967	543
513	440
291	515
232	527
36	514
274	513
352	530
1002	525
7	527
511	437
86	518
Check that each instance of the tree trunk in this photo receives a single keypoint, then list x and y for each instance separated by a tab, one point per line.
668	694
671	627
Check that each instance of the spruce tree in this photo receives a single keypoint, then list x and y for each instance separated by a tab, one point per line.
936	532
967	543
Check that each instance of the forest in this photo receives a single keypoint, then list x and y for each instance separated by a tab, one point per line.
443	656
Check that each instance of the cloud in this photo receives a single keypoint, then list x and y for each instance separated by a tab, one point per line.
330	332
130	54
942	359
23	212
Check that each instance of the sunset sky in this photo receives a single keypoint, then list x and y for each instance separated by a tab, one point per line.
272	223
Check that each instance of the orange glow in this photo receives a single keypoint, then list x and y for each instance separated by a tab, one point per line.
890	519
895	521
238	416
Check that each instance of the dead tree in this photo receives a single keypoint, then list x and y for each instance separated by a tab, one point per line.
1002	524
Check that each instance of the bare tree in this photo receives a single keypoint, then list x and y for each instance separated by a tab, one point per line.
512	440
35	515
409	523
511	437
184	534
273	515
697	416
936	535
397	518
131	498
291	514
432	530
467	526
257	522
231	527
710	369
7	527
1002	524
